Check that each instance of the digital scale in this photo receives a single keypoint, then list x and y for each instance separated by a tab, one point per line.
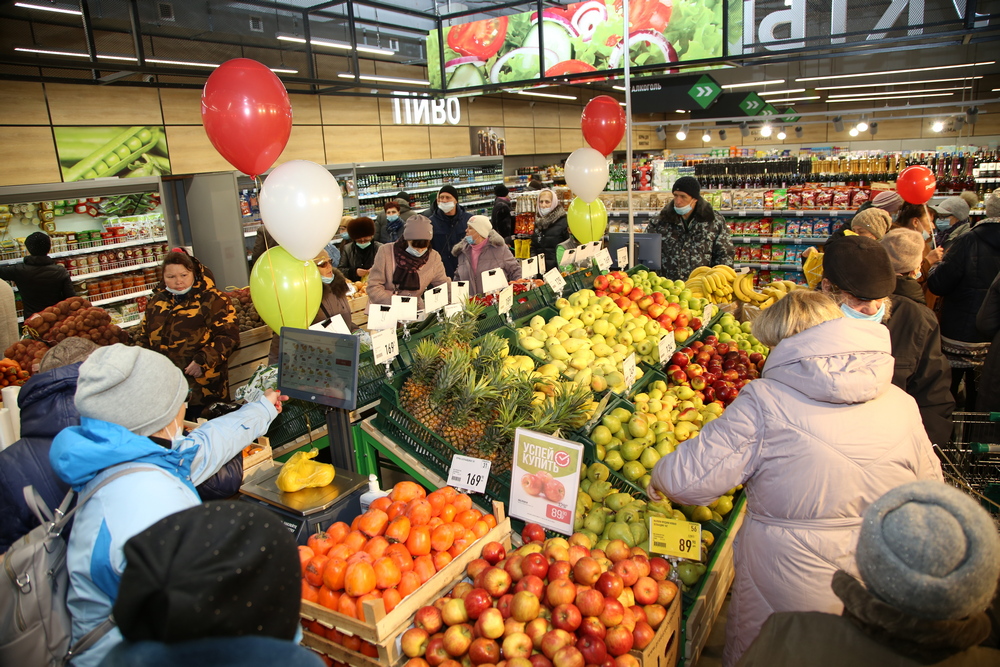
308	510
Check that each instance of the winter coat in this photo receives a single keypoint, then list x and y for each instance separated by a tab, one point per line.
86	454
199	326
501	218
548	238
819	437
353	258
381	288
329	307
494	256
702	240
963	276
382	233
448	230
40	282
869	634
245	651
946	237
46	403
921	370
988	323
8	316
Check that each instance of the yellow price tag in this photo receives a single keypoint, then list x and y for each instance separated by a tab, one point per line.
671	537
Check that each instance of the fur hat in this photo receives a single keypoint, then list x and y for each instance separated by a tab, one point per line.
859	266
930	551
360	228
481	224
418	228
905	248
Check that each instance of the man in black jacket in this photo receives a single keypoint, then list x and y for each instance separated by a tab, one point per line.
41	282
693	233
501	218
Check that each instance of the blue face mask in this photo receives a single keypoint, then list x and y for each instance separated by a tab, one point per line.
917	276
942	223
416	252
683	210
855	315
327	280
345	235
363	245
469	240
392	218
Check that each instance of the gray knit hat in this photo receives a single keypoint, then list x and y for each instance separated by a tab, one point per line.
418	228
930	551
136	388
68	351
993	204
874	220
905	248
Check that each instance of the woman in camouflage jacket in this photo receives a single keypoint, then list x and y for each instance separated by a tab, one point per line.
192	323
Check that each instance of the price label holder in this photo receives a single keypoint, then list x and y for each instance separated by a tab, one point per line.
335	324
452	309
436	298
584	252
666	347
671	537
459	291
708	314
529	267
541	264
385	346
555	280
505	301
469	473
628	370
603	260
381	316
405	307
622	258
494	280
569	257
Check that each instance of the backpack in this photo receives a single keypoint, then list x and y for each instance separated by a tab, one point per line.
35	625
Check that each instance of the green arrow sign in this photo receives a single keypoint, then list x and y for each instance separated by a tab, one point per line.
705	91
752	104
768	110
789	116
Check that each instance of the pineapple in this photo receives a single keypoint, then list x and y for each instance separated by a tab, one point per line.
490	355
472	406
568	408
416	390
450	373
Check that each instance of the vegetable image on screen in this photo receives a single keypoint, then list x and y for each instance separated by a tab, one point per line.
581	37
100	152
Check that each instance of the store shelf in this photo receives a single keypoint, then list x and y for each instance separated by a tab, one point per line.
784	212
93	249
478	201
125	295
118	269
130	323
431	188
643	214
792	240
767	266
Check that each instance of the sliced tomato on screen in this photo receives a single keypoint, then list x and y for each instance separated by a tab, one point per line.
572	67
482	39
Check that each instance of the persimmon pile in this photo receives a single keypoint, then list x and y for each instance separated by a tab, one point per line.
389	551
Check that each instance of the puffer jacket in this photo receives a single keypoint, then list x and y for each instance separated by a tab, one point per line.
46	402
245	651
199	326
84	455
702	240
963	276
549	234
818	438
448	230
496	255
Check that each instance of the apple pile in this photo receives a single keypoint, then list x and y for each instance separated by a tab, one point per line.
714	370
551	603
667	302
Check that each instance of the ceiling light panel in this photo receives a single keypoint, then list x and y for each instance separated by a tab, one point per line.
898	83
898	93
753	83
894	71
872	99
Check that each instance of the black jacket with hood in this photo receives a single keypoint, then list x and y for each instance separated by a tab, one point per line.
963	277
40	281
988	323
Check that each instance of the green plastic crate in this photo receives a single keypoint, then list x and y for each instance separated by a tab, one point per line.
528	303
297	418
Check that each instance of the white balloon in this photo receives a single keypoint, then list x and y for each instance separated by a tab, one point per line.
587	173
301	205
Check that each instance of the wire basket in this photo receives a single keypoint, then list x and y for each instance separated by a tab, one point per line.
972	461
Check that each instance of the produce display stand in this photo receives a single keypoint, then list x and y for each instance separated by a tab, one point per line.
248	355
664	650
382	629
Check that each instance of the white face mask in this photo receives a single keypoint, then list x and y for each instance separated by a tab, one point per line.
178	434
446	206
546	209
181	292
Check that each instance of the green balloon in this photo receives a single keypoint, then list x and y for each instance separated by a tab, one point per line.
286	291
587	221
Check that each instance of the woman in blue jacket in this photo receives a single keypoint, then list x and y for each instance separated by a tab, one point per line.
131	403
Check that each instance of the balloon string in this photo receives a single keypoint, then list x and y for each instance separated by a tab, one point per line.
274	279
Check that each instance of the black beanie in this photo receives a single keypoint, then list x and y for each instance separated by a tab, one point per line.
688	185
221	569
449	190
859	266
500	190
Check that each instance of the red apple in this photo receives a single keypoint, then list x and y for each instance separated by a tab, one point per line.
490	624
680	359
539	659
494	552
698	383
461	589
609	661
495	581
414	642
554	490
568	656
555	640
531	485
454	612
667	591
477	601
619	641
638	613
592	648
587	571
517	645
560	570
590	602
617	550
515	662
504	605
628	619
525	606
645	590
535	565
694	370
413	662
458	639
560	592
678	377
512	627
695	323
429	618
567	617
642	635
636	294
537	629
659	298
533	533
626	660
592	627
435	653
655	310
477	567
628	571
601	282
616	286
655	613
513	567
613	614
641	561
576	552
442	601
645	301
609	585
484	651
531	583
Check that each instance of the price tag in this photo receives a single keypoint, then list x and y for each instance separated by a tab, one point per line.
385	347
459	291
381	317
584	252
666	347
469	473
555	280
529	267
628	370
405	308
494	280
436	298
569	257
671	537
622	258
708	314
541	264
506	300
603	260
334	325
452	309
595	247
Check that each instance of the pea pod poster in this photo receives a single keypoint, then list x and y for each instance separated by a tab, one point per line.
545	480
101	152
578	38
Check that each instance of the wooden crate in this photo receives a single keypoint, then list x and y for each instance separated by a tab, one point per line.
705	610
248	356
663	650
342	653
382	629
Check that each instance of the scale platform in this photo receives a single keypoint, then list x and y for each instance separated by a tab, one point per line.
306	511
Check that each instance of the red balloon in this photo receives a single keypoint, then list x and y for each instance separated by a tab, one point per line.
916	184
246	114
603	124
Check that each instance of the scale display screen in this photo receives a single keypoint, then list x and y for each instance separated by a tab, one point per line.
319	366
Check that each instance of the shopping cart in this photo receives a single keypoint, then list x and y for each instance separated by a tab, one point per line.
972	461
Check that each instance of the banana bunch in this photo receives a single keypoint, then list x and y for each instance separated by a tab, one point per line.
777	290
744	291
715	283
